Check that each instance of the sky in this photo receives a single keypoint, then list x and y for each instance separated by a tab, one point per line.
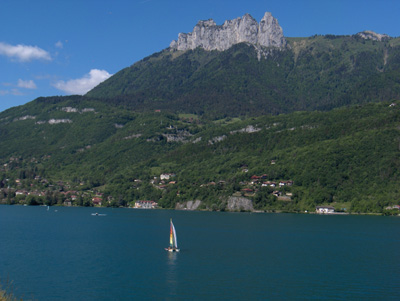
54	47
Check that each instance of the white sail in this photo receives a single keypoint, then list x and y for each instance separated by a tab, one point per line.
175	238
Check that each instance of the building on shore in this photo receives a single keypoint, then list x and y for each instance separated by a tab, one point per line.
146	204
325	209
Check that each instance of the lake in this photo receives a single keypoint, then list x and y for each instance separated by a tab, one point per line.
69	254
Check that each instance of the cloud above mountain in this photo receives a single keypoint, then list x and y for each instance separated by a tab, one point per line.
24	53
26	84
83	85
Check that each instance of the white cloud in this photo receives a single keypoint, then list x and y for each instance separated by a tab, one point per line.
15	92
24	53
84	84
26	84
59	44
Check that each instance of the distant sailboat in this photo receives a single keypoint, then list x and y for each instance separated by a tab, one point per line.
98	214
173	242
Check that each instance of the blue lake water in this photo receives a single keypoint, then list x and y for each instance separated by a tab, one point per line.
68	254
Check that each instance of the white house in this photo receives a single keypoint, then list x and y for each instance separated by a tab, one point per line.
146	204
166	176
325	209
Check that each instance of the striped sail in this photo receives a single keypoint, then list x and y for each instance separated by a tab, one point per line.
172	236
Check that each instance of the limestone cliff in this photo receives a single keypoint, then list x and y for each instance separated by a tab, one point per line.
189	205
370	35
239	203
210	36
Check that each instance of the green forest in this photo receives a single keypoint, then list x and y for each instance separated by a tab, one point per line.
315	124
315	73
346	157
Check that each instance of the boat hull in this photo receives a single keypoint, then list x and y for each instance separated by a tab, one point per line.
172	249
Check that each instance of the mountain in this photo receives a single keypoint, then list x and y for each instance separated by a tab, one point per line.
209	36
283	126
251	79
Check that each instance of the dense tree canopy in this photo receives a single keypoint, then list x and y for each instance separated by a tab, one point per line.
316	123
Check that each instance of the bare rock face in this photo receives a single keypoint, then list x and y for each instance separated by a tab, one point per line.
370	35
210	36
189	205
270	33
239	203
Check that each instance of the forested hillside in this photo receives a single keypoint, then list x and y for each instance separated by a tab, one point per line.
74	149
315	73
314	123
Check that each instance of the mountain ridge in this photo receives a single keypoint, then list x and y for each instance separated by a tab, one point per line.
315	73
315	122
210	36
228	69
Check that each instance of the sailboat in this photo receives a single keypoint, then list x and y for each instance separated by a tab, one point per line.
173	243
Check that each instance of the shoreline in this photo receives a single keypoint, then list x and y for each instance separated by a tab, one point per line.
206	210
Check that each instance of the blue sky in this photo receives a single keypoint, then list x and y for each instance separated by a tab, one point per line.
51	47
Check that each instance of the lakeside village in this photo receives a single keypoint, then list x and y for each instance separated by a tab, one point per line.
40	191
32	189
36	190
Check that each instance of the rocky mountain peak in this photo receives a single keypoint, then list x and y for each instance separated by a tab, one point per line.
370	35
210	36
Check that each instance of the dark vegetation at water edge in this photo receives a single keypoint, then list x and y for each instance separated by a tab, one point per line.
4	296
7	295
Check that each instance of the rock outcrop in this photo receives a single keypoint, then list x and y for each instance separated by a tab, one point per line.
370	35
189	205
210	36
239	203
